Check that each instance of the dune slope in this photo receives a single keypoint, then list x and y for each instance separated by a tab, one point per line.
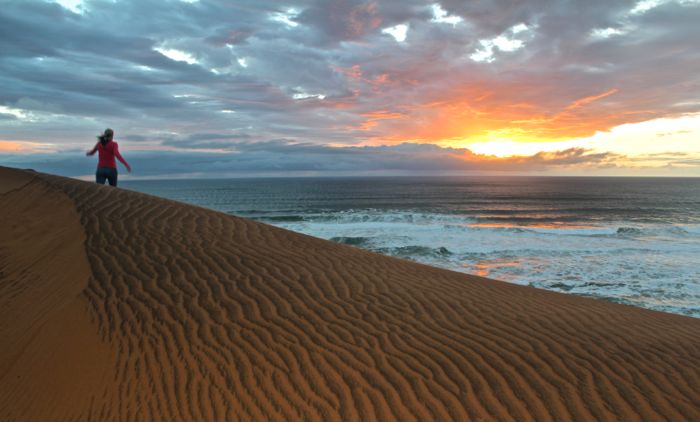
116	305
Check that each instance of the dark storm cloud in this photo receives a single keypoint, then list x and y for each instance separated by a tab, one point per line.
318	72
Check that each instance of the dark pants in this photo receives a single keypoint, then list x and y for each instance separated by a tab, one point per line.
106	173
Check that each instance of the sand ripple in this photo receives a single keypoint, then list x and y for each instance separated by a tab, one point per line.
205	316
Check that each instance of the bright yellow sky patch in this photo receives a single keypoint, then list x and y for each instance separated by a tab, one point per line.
636	140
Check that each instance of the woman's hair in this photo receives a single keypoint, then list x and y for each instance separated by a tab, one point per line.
106	136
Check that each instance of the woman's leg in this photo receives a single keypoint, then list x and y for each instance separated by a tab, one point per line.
100	176
112	177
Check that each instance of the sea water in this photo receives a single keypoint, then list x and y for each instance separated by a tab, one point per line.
627	240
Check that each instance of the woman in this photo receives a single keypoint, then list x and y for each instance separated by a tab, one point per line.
106	166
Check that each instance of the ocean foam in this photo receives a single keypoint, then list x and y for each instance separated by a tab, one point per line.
653	266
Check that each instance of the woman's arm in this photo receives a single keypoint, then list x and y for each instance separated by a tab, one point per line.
120	158
93	150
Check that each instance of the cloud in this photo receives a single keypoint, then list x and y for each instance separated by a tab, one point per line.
205	141
341	20
324	73
7	116
286	157
230	37
568	157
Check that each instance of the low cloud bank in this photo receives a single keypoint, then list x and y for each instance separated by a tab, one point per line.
280	157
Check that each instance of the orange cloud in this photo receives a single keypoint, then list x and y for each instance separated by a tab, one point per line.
362	19
10	146
523	108
22	147
352	72
587	100
374	117
375	83
505	111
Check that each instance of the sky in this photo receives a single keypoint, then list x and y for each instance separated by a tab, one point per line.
215	88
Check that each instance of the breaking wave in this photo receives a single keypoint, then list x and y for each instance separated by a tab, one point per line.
642	265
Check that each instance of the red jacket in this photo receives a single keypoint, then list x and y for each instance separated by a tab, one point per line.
107	153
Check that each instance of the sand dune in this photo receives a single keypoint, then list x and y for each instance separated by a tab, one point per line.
116	305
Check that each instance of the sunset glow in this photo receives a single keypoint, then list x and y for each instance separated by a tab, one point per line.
484	268
313	86
24	147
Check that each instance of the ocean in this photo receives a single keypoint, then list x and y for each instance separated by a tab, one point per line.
627	240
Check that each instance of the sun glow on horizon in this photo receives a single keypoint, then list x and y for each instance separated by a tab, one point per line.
647	139
503	148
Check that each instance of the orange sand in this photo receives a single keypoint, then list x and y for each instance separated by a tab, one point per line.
116	305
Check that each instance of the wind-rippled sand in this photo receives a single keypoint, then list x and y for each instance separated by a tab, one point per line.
116	305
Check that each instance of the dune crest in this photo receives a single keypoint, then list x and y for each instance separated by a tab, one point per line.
160	310
51	353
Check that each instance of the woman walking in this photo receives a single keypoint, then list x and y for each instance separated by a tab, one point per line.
107	166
